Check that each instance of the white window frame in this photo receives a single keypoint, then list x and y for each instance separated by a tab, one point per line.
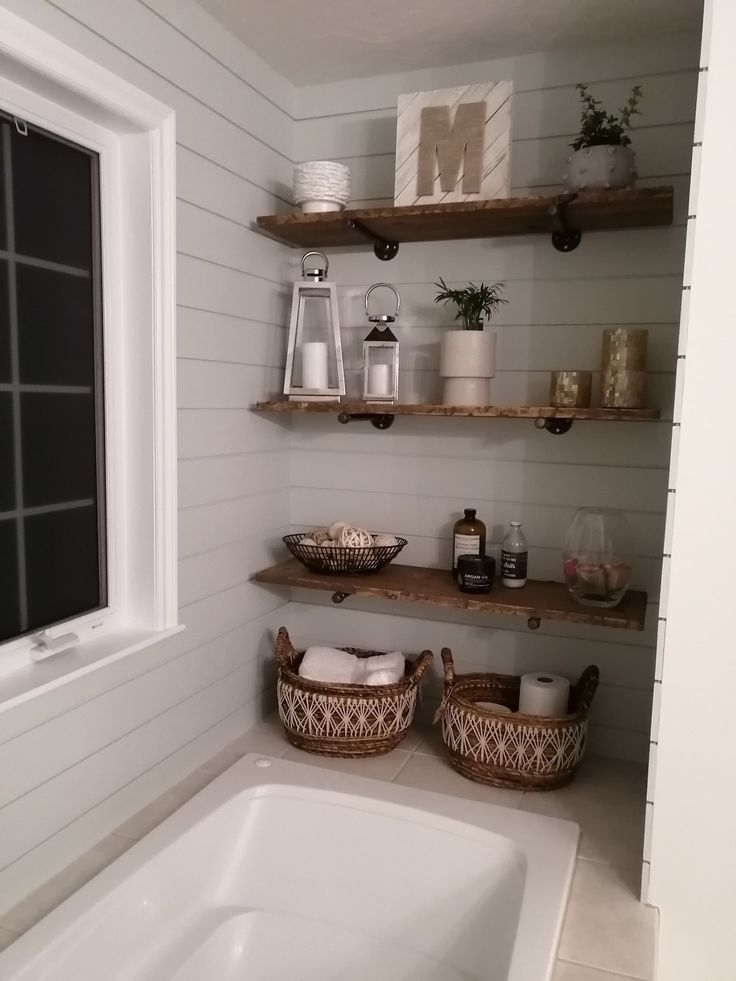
49	84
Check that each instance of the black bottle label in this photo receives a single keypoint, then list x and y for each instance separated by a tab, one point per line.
513	564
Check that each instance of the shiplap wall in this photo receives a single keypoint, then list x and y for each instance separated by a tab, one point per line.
414	479
77	761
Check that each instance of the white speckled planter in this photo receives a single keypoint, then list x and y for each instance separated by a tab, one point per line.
467	362
601	168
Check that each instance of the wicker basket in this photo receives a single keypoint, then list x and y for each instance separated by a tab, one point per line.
526	752
344	720
340	560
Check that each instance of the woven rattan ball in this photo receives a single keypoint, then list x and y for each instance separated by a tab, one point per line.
307	541
355	538
335	530
320	536
383	541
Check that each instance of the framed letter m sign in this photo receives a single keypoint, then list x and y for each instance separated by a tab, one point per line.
454	144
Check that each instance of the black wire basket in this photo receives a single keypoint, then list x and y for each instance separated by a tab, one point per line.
340	560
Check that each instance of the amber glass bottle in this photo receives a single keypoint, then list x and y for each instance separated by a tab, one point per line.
468	538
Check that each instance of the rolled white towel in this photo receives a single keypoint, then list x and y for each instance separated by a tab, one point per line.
331	666
383	677
393	662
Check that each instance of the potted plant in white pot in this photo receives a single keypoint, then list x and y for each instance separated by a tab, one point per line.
468	356
603	158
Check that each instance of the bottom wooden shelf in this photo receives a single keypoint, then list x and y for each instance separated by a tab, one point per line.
536	601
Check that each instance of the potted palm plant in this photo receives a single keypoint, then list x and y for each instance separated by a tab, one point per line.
602	157
468	356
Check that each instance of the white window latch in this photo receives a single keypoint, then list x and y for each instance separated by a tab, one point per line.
47	646
21	126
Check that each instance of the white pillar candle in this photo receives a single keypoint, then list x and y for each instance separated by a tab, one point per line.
314	365
379	379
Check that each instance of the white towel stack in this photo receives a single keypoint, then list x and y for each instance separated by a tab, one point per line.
335	667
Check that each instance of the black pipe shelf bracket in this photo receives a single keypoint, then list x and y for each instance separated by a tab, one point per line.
564	238
339	597
556	426
379	420
382	248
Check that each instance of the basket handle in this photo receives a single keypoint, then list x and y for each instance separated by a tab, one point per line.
284	650
585	688
420	667
449	667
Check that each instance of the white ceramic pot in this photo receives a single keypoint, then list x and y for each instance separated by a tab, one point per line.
467	363
601	168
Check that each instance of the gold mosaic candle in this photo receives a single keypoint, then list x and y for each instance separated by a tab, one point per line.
624	348
570	389
623	388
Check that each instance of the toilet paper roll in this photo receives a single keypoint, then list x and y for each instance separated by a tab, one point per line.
544	694
494	707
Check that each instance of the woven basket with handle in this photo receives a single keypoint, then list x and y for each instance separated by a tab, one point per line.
525	752
344	720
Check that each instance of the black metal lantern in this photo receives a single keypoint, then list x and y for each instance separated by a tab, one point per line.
381	353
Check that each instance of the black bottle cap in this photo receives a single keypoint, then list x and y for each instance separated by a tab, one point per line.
470	513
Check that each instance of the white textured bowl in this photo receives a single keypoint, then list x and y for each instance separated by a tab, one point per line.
322	180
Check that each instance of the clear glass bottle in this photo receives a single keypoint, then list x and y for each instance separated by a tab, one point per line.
468	538
596	564
514	556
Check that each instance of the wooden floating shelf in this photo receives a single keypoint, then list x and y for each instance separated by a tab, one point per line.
581	211
362	409
434	587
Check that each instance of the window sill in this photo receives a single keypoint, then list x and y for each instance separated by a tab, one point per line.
36	678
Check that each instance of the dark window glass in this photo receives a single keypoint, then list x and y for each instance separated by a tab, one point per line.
62	571
52	199
52	505
58	436
57	341
7	468
9	607
4	323
3	218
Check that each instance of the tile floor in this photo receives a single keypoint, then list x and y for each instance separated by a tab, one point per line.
608	934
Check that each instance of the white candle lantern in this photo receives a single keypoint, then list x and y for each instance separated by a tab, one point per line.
314	368
381	353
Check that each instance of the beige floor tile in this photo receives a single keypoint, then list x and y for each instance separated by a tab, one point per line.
378	767
267	739
48	896
154	813
6	938
566	971
608	804
431	773
606	926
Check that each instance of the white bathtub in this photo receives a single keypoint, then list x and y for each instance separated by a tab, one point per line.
283	871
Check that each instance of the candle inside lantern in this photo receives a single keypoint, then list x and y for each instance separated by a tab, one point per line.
379	379
314	365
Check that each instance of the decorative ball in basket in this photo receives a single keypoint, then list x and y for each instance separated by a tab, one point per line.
344	720
512	749
344	550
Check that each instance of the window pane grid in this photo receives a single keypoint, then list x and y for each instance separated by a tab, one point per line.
56	561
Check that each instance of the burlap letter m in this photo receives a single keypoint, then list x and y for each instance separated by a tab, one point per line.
449	144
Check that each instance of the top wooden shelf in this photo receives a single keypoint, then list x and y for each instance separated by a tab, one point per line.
584	210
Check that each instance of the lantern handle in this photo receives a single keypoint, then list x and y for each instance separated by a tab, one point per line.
322	256
383	318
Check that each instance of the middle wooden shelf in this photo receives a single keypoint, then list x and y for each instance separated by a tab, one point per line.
538	600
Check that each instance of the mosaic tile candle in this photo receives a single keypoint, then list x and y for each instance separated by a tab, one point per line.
570	389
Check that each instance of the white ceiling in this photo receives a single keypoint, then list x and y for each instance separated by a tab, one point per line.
310	41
